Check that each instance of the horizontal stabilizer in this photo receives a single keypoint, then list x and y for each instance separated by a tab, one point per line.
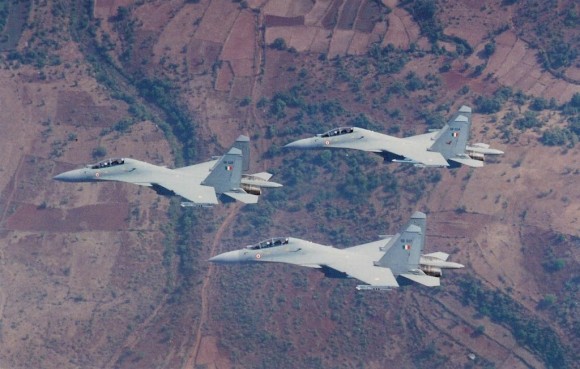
425	280
438	255
480	145
467	161
246	198
193	193
385	236
264	176
259	180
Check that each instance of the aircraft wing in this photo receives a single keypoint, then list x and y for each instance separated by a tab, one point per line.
361	270
468	161
371	249
425	139
265	176
412	148
417	153
425	280
246	198
438	255
197	194
198	171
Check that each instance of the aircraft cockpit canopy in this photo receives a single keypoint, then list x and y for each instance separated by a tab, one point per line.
338	132
271	242
108	163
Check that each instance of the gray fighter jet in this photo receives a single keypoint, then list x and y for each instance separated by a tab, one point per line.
378	264
199	184
446	147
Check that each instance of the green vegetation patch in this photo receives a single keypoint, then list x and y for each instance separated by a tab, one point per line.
424	12
527	330
389	59
4	12
551	27
13	16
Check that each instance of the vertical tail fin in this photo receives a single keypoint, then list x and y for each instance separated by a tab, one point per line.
243	143
226	174
403	252
420	220
452	139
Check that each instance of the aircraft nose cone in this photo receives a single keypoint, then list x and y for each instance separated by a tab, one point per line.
226	258
65	177
76	175
305	143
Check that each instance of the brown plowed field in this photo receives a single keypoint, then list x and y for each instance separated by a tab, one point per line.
516	66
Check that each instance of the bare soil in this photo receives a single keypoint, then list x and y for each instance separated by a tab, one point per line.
402	31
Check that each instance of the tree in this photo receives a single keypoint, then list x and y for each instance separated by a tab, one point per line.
555	136
539	104
246	101
575	100
123	13
424	12
99	152
486	105
414	83
547	301
530	120
554	265
489	49
279	44
558	55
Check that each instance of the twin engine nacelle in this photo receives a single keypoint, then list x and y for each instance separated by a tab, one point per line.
251	189
476	155
432	271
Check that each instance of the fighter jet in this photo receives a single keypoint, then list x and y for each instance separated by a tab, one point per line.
378	264
446	147
199	184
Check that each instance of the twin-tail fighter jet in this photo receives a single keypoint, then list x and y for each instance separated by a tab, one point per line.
199	184
378	264
446	147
